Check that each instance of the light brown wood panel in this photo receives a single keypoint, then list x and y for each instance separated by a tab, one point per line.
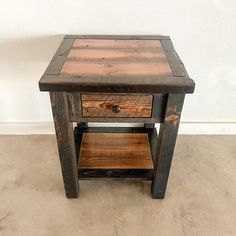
113	43
101	105
115	150
77	68
120	55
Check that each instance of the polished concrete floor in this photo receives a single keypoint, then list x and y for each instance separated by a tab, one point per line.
200	199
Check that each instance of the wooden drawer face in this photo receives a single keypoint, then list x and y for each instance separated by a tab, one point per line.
116	105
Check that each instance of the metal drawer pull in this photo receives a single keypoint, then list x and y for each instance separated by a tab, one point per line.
116	109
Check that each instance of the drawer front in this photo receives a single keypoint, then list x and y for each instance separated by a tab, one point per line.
116	105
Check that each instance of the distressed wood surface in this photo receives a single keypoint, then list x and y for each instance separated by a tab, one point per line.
124	84
158	106
59	58
137	64
74	105
135	57
101	105
116	43
80	68
174	60
115	151
114	55
65	143
166	144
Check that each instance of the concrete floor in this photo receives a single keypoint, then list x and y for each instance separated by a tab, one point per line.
200	199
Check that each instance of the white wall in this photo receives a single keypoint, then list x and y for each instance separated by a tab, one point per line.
203	32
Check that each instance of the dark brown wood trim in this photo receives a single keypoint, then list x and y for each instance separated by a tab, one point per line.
59	58
174	60
158	106
115	173
112	130
143	37
150	85
74	104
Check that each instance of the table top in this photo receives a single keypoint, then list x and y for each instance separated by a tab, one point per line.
139	64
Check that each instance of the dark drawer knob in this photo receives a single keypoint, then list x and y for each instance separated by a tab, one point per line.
116	109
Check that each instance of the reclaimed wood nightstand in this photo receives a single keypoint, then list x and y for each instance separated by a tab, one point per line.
116	79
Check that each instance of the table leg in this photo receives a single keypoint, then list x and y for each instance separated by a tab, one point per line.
166	144
65	142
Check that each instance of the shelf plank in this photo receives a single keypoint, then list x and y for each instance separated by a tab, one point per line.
115	151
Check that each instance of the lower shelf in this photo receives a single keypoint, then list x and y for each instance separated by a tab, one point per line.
117	155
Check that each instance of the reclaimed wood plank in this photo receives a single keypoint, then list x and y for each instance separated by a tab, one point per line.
116	43
79	68
117	55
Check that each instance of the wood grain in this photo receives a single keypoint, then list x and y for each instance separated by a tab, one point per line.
65	143
59	58
121	64
115	150
177	66
122	84
100	105
78	68
115	43
166	144
114	55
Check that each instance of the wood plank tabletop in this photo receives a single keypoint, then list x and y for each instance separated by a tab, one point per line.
91	62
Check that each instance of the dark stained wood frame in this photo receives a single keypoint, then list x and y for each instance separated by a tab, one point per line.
169	92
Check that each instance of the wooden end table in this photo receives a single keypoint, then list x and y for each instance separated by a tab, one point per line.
116	79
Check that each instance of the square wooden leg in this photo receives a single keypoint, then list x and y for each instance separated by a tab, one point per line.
65	142
166	144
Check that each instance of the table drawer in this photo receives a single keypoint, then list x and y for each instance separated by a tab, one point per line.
116	105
